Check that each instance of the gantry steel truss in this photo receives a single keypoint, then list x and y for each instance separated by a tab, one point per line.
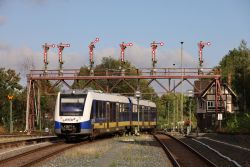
117	76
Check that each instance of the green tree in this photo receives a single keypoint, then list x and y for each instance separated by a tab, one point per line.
235	67
9	86
48	95
169	111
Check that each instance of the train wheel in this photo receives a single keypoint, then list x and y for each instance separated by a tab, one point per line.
91	138
68	139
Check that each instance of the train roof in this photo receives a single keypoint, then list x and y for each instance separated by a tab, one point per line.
108	97
79	91
113	97
143	102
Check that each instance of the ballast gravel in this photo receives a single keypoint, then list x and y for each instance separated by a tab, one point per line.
134	151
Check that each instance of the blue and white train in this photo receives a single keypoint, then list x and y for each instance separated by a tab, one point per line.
91	113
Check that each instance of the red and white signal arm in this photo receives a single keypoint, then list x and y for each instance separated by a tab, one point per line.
219	116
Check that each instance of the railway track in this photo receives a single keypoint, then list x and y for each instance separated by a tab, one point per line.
37	155
27	142
181	154
235	155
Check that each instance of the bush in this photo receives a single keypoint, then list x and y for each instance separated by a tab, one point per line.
238	124
2	130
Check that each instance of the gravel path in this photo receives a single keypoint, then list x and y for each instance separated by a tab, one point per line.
134	151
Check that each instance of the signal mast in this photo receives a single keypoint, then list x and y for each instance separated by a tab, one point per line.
60	47
201	45
45	55
123	46
154	46
91	53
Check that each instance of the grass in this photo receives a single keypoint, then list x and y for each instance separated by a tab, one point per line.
97	155
2	130
113	164
95	151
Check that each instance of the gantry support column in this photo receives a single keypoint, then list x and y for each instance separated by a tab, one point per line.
28	105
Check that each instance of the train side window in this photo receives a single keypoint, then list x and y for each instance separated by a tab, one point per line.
153	114
96	108
121	112
117	107
146	113
121	107
103	109
134	108
107	114
126	112
142	113
126	107
99	109
117	111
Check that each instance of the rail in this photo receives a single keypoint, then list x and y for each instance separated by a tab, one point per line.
37	155
27	142
188	156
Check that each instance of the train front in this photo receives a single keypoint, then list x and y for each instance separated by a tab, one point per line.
69	114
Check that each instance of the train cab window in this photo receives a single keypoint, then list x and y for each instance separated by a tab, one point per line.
72	106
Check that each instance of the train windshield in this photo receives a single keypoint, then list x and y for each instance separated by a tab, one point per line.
72	106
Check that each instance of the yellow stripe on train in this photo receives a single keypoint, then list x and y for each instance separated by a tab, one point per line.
120	124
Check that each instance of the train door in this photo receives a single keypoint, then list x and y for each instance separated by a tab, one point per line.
117	114
108	114
130	110
142	114
149	115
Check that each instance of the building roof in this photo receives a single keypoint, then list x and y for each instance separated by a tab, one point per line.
212	84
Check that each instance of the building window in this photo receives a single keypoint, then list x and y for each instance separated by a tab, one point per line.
200	103
210	105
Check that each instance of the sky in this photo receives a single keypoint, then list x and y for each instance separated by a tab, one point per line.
25	25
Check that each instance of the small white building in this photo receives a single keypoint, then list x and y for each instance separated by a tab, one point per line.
206	104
